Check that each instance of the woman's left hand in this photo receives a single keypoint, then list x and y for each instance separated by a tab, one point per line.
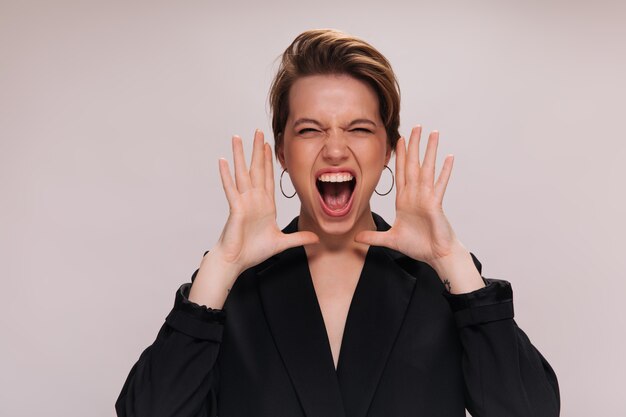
421	230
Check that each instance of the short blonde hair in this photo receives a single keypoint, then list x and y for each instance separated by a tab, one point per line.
329	51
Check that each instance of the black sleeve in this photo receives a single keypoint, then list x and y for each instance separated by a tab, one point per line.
505	375
175	376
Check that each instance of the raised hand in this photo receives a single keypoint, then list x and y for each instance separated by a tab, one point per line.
250	234
421	230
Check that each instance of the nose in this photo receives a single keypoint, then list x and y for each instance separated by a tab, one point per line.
335	147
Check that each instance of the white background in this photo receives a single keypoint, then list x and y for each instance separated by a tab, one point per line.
113	115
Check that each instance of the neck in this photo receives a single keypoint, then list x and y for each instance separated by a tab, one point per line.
337	243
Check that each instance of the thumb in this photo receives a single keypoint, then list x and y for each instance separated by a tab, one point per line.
374	238
297	239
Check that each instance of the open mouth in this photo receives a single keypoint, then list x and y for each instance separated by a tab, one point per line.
336	191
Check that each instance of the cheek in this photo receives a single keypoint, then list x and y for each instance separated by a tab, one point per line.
370	155
299	159
298	154
371	159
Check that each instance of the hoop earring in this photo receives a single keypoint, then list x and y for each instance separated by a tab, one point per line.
281	185
392	183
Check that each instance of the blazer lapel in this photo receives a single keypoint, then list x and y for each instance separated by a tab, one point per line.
295	320
376	314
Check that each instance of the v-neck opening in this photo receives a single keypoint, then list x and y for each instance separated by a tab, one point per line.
319	308
356	288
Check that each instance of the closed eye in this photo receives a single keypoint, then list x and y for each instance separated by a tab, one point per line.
308	132
362	129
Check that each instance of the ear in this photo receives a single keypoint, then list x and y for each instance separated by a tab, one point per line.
387	154
280	151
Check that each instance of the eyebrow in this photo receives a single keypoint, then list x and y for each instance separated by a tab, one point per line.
359	121
302	121
315	122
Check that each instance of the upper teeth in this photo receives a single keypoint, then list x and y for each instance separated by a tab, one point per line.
335	177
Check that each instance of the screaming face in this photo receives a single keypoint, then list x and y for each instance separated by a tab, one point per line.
334	149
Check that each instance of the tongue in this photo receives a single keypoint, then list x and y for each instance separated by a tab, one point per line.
336	194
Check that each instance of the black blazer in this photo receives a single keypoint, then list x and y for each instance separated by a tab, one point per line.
409	349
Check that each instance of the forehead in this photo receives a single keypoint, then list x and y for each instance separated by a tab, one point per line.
333	97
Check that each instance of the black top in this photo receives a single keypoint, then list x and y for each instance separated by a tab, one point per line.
409	349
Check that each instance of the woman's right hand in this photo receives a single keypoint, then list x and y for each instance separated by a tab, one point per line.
251	233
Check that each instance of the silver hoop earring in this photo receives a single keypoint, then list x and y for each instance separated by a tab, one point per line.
281	185
392	182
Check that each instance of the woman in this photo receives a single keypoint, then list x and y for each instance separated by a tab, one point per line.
339	314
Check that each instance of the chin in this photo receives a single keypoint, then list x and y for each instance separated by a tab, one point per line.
337	227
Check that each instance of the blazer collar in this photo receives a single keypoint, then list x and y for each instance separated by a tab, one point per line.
375	316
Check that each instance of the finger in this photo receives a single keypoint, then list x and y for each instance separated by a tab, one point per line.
227	182
291	240
257	164
242	178
375	238
428	167
269	171
413	156
444	177
400	163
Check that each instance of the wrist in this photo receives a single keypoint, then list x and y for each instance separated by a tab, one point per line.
219	266
457	271
213	282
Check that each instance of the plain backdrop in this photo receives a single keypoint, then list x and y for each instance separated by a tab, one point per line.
113	115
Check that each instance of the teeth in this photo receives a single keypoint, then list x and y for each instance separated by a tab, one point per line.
335	177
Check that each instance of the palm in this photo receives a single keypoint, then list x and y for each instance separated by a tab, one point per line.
251	234
421	229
